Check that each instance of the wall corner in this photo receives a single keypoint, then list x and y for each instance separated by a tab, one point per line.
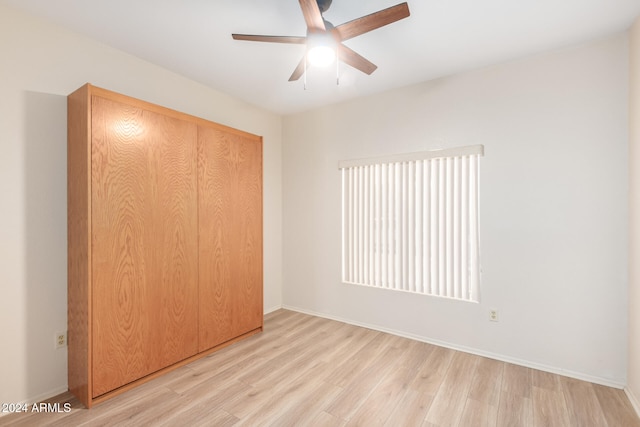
633	361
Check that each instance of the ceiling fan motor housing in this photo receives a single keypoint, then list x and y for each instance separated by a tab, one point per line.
324	5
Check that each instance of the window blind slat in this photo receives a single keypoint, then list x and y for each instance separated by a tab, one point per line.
365	224
384	219
426	229
390	221
397	226
442	226
464	227
360	222
435	231
456	228
417	220
349	221
473	213
406	200
345	258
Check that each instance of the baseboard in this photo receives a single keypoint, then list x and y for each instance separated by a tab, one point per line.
272	309
633	399
526	363
39	398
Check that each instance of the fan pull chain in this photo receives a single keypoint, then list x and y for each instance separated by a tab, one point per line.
337	69
304	79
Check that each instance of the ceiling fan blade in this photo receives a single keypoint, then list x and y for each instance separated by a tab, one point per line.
270	39
357	61
371	22
312	15
299	71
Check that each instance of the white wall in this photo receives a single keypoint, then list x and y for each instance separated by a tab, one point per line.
633	388
39	65
554	219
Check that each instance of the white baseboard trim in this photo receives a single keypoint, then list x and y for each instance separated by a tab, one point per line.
39	398
272	309
526	363
633	399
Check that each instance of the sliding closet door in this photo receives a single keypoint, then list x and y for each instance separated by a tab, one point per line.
145	244
230	224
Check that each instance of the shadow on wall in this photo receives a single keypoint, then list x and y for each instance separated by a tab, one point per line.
45	210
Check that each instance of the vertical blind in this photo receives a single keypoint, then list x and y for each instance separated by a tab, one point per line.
410	222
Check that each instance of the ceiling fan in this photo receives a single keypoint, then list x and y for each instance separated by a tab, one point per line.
322	34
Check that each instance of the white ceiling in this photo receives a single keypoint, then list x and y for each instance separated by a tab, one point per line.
441	37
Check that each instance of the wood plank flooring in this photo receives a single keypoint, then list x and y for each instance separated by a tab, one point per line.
308	371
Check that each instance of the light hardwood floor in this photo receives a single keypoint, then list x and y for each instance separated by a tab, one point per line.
308	371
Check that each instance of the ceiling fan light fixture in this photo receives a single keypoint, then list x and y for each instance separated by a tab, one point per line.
321	49
321	55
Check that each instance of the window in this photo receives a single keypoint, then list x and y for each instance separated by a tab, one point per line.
410	222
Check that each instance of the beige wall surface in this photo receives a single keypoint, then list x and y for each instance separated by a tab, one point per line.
40	64
633	388
554	202
553	207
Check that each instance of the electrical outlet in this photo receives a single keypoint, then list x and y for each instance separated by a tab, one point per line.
493	315
61	339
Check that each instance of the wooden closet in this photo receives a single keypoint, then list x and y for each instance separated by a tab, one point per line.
164	240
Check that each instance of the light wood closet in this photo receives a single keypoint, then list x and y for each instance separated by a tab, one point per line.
165	240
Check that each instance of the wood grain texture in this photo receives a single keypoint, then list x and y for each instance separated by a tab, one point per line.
411	410
299	70
432	373
169	369
449	402
549	408
516	380
357	61
346	405
312	15
487	382
619	410
213	390
144	214
79	244
230	239
270	39
371	22
514	410
479	414
133	245
582	403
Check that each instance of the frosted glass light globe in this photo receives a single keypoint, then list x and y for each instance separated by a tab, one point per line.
321	56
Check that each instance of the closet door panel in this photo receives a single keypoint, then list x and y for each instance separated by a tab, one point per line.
144	244
230	224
